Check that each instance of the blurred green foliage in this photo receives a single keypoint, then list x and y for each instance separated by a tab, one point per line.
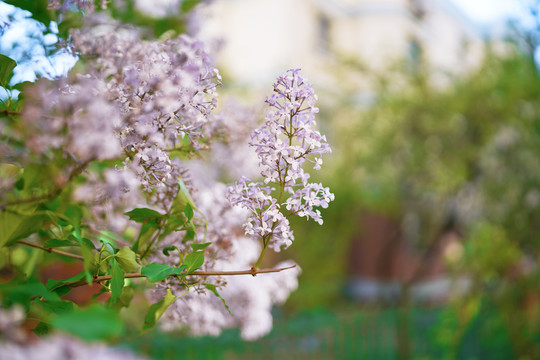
455	153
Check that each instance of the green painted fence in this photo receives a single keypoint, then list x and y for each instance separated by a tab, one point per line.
365	334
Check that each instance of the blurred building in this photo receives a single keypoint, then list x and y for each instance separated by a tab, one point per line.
263	38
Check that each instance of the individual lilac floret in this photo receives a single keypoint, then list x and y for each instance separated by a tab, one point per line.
283	144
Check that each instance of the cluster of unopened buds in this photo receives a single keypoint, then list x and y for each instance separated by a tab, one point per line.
285	142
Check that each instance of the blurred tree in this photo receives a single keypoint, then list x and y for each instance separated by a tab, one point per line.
459	155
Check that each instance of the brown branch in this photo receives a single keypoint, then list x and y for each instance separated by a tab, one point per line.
252	272
63	253
18	113
9	112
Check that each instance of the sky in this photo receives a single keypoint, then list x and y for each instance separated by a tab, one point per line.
488	13
23	41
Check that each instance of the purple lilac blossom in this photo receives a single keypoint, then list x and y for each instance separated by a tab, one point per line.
138	102
165	92
75	117
284	144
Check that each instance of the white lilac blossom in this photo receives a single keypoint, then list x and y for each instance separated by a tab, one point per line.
284	144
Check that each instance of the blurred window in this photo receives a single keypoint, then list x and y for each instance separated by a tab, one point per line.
415	55
324	33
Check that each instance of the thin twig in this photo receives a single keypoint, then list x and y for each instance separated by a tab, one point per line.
252	272
18	113
9	112
96	279
63	253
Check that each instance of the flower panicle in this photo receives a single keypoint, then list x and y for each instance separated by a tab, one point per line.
284	144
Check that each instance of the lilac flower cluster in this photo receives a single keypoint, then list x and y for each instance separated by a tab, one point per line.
265	221
283	145
165	91
141	103
73	116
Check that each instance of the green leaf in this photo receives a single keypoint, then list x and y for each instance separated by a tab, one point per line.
213	289
30	264
19	185
107	249
202	246
109	244
175	222
95	323
188	211
28	226
167	249
58	286
181	199
142	215
74	214
156	272
8	170
190	235
39	9
53	205
117	281
24	293
158	309
127	259
99	265
41	329
188	5
90	264
7	65
19	223
57	307
108	236
23	85
125	299
147	231
193	261
55	243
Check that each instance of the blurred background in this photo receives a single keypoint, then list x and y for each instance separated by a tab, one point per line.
432	108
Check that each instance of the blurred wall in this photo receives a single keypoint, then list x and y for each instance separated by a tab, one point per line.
262	38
